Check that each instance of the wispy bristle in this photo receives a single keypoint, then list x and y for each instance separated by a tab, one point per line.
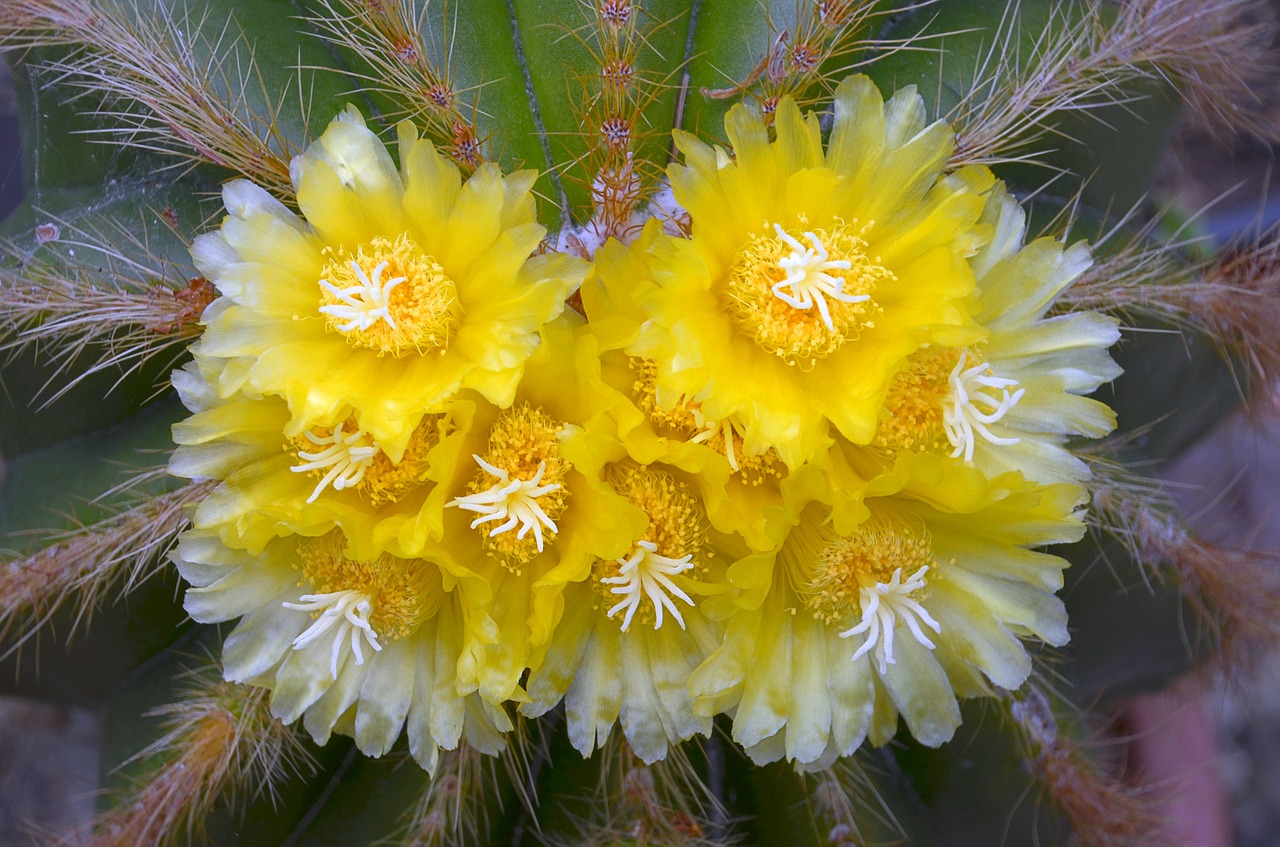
222	740
833	38
163	85
403	67
1103	810
1236	592
451	810
1232	298
1215	51
1240	304
121	308
847	804
84	565
665	803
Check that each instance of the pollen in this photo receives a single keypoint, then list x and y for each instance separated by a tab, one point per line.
674	543
685	421
877	578
912	417
381	600
389	296
519	491
846	566
801	297
345	456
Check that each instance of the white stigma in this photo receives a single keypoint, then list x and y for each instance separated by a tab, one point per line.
512	500
365	304
349	611
882	606
645	573
973	404
808	283
346	457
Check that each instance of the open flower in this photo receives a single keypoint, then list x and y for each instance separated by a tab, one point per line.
272	485
1010	401
811	274
632	632
522	508
898	601
365	647
396	290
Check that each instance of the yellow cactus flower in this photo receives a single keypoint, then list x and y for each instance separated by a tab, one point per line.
895	602
272	485
1010	401
810	274
632	633
523	508
396	289
364	647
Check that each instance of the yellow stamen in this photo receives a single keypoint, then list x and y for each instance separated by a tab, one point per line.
686	421
913	408
389	297
803	299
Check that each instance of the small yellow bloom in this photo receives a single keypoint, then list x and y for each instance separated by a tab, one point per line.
1010	401
810	274
897	602
632	633
395	291
364	647
273	485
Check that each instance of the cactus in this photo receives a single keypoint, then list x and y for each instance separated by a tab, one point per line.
617	423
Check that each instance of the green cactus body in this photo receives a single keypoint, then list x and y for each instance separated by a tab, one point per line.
636	423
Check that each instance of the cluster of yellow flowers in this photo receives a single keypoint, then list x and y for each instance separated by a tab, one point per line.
788	463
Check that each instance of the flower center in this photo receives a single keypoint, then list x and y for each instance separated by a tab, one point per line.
345	456
389	297
876	576
973	404
801	298
646	574
686	420
945	396
362	601
913	407
519	492
342	454
674	543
